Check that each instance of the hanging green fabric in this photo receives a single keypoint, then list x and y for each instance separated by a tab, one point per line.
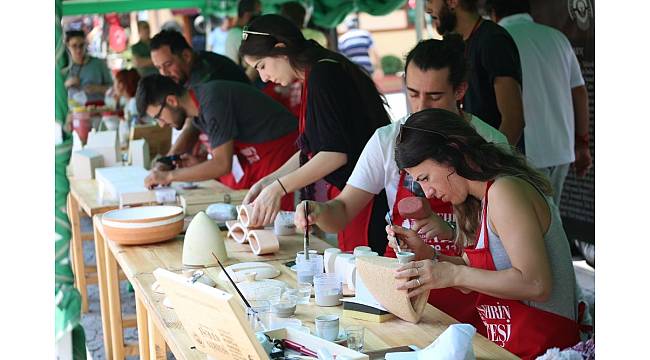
67	314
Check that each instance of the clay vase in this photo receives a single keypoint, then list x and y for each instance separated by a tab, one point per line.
414	207
237	231
378	275
202	239
263	241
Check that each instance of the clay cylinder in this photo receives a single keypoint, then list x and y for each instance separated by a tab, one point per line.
263	241
243	215
238	232
414	207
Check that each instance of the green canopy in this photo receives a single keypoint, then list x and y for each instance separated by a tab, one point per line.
327	13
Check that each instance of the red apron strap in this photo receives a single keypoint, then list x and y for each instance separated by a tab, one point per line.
303	104
194	99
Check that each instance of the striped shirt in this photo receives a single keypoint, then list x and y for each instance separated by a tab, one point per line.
354	44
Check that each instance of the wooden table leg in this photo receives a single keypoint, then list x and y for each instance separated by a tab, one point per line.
114	303
157	345
77	255
103	289
143	327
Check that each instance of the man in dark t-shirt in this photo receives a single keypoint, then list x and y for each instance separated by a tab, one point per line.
173	57
494	92
238	120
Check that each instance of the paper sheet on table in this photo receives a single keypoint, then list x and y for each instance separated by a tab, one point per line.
455	343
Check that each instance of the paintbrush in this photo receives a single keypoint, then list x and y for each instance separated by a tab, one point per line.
390	222
248	305
306	236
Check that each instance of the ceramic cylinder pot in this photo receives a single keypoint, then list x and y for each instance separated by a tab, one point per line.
329	258
350	273
283	224
263	241
360	250
340	266
238	232
243	215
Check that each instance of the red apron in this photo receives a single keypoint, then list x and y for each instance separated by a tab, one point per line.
355	232
523	330
449	300
259	160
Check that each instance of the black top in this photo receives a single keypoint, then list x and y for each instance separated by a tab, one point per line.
210	66
232	110
336	119
491	52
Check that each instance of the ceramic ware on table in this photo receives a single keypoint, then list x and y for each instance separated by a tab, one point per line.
202	239
340	265
237	231
283	224
240	272
405	257
327	327
350	273
329	258
243	215
361	250
263	241
143	225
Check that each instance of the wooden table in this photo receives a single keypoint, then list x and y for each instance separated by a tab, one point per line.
159	327
84	198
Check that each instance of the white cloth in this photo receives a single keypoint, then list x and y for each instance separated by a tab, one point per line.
376	168
455	343
550	70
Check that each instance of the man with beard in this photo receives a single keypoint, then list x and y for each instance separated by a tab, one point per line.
173	57
237	118
494	92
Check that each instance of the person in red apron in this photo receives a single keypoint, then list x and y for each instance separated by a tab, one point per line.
523	277
340	109
238	119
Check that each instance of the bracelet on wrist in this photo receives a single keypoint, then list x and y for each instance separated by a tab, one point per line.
282	186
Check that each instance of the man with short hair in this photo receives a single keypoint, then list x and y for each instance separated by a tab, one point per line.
556	104
173	57
87	77
237	118
435	77
494	92
141	51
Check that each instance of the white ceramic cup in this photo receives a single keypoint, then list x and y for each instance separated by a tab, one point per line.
329	258
340	264
350	273
327	327
404	257
360	250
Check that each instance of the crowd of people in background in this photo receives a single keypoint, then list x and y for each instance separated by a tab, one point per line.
499	111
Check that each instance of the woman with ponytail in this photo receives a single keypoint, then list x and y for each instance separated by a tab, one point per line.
340	110
515	254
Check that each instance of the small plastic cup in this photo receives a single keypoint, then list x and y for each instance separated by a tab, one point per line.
304	293
354	334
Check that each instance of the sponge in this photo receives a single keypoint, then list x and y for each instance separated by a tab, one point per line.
414	207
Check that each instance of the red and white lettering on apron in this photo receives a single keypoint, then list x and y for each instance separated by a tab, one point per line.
356	232
449	300
259	160
523	330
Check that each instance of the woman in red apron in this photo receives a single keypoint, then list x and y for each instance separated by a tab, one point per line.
525	306
340	110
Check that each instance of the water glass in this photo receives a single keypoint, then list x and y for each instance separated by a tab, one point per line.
259	314
354	334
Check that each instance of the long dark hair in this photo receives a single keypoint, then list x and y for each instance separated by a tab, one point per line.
448	139
302	55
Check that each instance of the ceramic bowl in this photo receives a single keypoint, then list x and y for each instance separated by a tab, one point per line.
143	225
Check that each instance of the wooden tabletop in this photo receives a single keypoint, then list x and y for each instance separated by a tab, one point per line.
138	263
87	194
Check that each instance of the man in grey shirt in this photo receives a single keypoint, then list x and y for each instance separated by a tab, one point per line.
237	118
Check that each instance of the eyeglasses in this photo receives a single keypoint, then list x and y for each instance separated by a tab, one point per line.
245	32
162	106
402	127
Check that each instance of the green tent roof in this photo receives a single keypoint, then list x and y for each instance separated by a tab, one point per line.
327	13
